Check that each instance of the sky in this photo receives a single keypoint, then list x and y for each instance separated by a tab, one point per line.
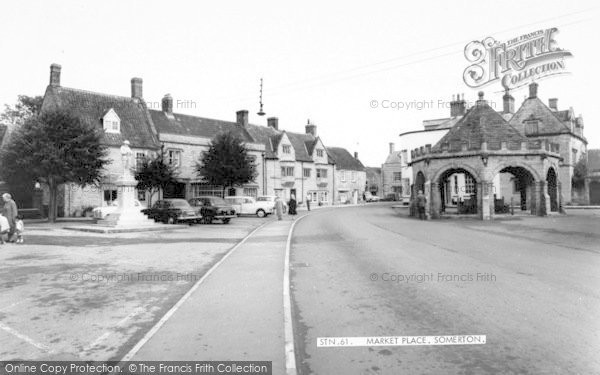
339	64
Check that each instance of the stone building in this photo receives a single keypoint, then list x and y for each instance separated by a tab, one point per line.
374	181
592	181
481	145
350	176
288	163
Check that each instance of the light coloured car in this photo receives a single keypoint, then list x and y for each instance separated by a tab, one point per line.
249	206
370	197
103	211
271	199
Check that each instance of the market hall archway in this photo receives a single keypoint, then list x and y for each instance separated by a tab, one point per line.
457	192
514	186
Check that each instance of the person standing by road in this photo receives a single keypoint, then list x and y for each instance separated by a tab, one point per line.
292	205
421	202
11	212
279	208
308	201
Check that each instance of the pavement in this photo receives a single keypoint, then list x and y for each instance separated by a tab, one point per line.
69	295
237	313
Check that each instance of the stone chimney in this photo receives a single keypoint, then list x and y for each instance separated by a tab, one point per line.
311	128
392	147
458	106
136	88
553	104
355	155
481	100
55	75
273	122
533	90
508	102
167	104
242	117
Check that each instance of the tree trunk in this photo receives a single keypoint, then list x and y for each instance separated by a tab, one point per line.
52	189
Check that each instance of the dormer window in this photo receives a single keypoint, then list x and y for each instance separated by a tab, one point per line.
287	149
320	153
111	122
531	127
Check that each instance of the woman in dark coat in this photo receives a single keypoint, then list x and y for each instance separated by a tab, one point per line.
292	205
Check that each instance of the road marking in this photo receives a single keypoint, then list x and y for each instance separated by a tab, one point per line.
105	335
290	351
187	295
27	339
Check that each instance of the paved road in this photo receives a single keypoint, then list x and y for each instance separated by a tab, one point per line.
538	305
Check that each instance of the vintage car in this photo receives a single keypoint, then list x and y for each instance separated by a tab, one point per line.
212	208
271	199
172	211
249	206
102	211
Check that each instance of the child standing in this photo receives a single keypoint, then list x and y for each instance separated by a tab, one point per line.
20	227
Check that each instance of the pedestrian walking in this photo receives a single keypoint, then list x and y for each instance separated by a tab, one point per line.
308	201
421	202
4	228
20	227
10	211
292	205
279	208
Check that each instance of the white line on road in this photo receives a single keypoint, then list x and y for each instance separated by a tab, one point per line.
27	339
290	352
187	295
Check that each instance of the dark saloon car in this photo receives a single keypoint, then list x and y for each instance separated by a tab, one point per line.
212	208
172	211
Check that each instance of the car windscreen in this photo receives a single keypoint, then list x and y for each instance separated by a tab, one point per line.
263	199
180	204
217	200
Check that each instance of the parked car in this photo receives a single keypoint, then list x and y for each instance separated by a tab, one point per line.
271	199
172	211
370	197
249	206
212	208
102	211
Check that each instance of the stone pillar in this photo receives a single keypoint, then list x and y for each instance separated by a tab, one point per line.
539	197
428	204
546	198
436	201
479	199
487	200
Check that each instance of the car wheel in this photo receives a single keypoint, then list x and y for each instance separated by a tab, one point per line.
261	213
171	220
208	220
226	221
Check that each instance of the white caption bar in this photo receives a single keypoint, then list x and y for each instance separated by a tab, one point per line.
328	342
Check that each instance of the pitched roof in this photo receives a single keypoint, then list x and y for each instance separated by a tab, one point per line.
299	143
90	107
480	124
549	121
344	160
593	163
267	136
394	158
187	125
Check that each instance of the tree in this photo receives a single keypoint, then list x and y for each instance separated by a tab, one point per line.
54	148
227	163
26	107
579	173
13	117
155	175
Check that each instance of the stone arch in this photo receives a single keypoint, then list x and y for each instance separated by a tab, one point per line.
534	173
474	172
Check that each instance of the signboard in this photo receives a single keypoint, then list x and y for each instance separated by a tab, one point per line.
515	62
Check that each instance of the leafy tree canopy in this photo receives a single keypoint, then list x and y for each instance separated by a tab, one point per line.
227	162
